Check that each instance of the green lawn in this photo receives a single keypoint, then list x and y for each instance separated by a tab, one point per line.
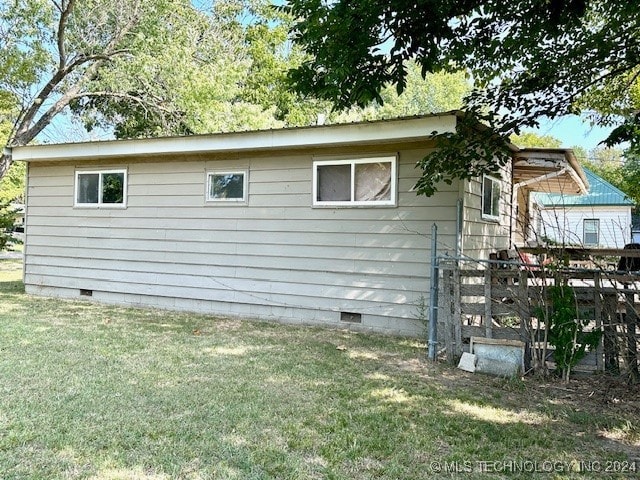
97	392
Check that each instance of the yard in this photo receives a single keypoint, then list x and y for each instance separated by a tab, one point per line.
99	392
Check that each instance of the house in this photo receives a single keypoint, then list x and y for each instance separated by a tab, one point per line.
600	218
635	228
316	225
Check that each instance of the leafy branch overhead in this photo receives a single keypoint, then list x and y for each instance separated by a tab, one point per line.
139	67
528	59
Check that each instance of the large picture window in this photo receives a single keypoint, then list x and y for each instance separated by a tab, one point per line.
227	186
101	188
591	231
491	193
355	182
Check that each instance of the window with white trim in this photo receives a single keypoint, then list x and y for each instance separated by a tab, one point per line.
101	188
591	231
227	186
491	192
355	182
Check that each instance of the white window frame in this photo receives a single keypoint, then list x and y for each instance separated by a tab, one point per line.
595	221
392	202
231	201
101	173
494	182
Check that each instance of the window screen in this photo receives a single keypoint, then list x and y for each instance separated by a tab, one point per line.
363	181
334	183
227	186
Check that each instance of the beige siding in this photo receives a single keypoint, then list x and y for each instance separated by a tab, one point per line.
274	257
481	237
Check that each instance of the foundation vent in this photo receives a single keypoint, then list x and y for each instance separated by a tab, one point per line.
350	317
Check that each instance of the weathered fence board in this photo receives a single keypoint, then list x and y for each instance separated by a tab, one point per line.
478	302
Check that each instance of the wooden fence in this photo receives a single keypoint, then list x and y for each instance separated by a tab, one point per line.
504	301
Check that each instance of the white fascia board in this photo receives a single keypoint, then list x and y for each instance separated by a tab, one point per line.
309	137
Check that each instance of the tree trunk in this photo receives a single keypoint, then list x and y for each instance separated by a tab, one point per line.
5	163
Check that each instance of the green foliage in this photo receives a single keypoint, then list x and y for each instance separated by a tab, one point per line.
144	68
620	170
480	151
533	140
7	221
566	329
13	183
532	59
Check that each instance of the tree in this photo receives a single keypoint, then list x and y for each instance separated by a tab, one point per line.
436	92
620	169
530	59
533	140
53	51
138	67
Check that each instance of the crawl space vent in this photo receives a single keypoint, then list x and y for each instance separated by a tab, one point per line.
350	317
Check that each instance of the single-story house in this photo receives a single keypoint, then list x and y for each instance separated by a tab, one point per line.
316	224
601	218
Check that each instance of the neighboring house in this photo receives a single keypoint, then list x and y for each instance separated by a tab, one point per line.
314	225
601	218
635	228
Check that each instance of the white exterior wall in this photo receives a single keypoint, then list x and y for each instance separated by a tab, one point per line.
565	225
274	258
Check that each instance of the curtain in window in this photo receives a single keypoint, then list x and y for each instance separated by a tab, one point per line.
373	181
88	187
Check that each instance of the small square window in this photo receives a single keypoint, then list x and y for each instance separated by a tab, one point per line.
227	187
591	231
355	182
491	193
101	188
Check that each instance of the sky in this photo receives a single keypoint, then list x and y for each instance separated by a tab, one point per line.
571	130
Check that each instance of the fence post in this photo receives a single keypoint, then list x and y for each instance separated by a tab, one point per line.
524	312
447	277
597	303
457	316
488	324
433	313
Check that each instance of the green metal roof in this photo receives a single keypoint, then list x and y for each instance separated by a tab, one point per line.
600	192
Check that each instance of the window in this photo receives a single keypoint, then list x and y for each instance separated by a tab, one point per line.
227	187
103	188
591	231
490	198
362	181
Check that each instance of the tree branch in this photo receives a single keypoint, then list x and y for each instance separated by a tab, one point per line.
27	130
125	96
62	24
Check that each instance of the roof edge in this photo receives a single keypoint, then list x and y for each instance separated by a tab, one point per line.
392	130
